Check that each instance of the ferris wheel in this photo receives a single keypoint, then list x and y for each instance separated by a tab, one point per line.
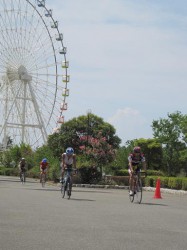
33	73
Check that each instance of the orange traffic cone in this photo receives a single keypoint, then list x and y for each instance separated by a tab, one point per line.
157	190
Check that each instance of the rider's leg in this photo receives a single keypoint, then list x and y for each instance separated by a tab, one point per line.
40	176
131	182
62	176
24	175
45	174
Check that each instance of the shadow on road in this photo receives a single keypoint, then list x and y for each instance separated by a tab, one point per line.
91	191
43	189
75	199
16	180
154	204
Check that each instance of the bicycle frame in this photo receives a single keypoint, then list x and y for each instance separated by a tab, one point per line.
22	177
43	178
137	187
67	185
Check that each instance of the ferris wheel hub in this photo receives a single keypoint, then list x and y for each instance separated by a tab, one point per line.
18	74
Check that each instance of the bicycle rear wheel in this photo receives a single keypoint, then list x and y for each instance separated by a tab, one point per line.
68	190
43	180
139	191
63	189
22	178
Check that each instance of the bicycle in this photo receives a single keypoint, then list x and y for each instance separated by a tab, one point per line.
66	185
22	177
43	178
137	187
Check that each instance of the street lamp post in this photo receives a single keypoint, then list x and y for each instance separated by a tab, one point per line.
88	124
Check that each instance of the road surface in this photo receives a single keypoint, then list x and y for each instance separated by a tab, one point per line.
32	217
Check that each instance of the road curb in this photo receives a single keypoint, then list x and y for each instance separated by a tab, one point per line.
150	189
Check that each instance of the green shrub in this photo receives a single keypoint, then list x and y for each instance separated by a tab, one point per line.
34	172
155	173
9	171
54	173
122	172
184	184
175	183
163	182
121	180
150	181
89	175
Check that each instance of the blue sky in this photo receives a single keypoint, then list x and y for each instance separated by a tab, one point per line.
128	60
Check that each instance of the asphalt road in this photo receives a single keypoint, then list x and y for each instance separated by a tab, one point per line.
32	217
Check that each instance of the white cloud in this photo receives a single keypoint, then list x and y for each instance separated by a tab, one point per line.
130	124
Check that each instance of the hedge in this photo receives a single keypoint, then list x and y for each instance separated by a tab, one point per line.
124	172
177	183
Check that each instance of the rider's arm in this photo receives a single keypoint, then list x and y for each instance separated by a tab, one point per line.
130	163
131	166
143	160
144	165
26	166
63	162
74	161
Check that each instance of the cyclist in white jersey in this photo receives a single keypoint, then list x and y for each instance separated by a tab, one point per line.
68	160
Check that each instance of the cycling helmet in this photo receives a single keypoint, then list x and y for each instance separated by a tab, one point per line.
44	160
69	151
137	150
22	159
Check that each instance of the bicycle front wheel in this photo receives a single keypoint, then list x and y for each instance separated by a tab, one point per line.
22	178
139	191
131	197
43	180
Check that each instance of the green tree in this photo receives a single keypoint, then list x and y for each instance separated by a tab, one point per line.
151	148
54	163
15	153
170	133
72	133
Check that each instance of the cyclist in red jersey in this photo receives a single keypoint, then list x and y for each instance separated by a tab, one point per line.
43	168
134	160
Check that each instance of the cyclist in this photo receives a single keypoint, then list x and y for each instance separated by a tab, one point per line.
22	167
134	159
43	168
68	161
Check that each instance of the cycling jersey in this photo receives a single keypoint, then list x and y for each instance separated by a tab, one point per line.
136	159
68	160
43	165
22	166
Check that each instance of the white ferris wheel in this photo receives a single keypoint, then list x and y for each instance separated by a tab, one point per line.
33	73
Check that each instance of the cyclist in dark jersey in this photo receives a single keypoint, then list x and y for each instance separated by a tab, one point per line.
134	160
22	167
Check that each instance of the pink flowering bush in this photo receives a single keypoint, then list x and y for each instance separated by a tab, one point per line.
97	149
